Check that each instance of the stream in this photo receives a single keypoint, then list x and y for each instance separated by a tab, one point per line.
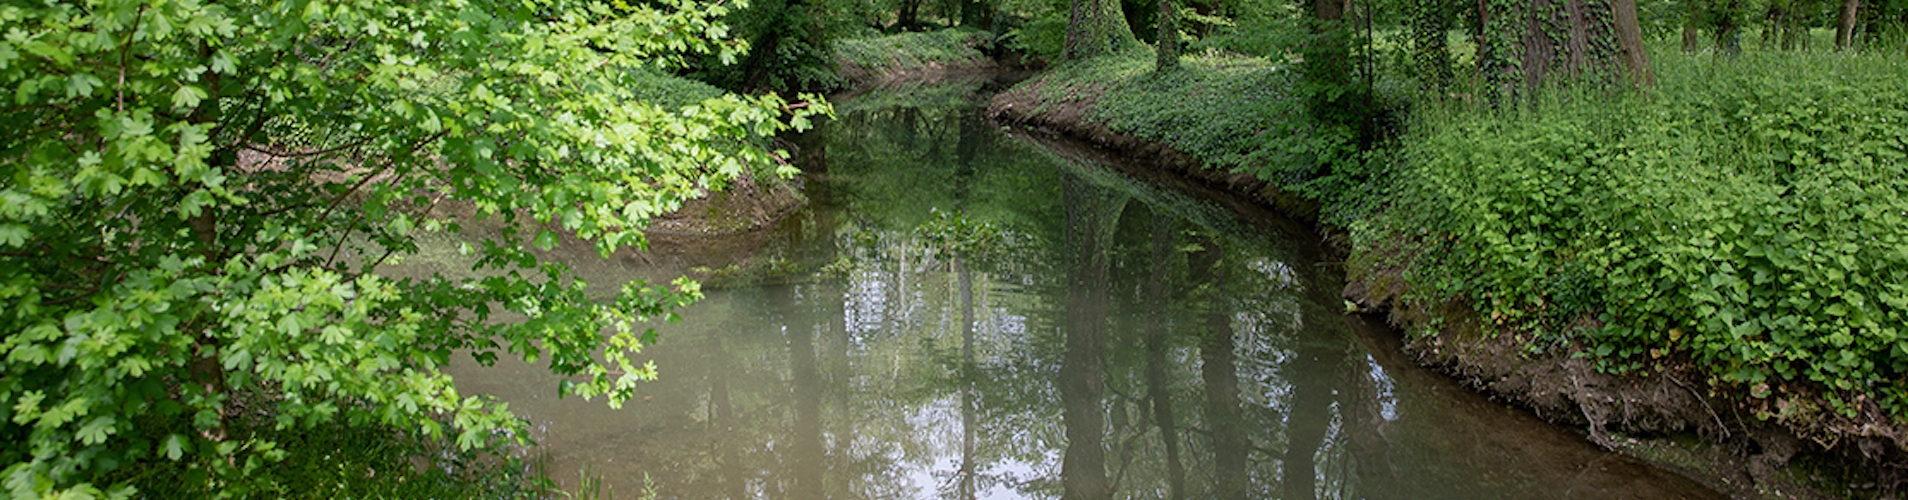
962	311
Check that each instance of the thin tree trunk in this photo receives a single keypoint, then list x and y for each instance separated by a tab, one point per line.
806	451
1845	30
1168	50
967	477
1429	27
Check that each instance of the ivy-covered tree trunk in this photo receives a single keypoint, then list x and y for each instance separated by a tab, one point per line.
1429	21
1530	42
1328	56
1336	98
1168	48
1096	28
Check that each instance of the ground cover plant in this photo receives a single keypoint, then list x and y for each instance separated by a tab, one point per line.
1745	216
910	51
1742	218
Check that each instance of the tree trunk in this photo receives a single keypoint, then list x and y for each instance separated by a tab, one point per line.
1328	57
1157	392
806	451
1168	23
1096	28
1629	32
974	13
1429	24
1219	371
1336	99
969	373
1534	42
1728	29
1082	388
1845	30
906	20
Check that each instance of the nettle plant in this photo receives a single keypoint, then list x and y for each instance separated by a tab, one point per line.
182	275
1747	217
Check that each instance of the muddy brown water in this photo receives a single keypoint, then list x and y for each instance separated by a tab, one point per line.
965	312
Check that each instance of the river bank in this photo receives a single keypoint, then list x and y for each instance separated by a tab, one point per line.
935	280
1670	414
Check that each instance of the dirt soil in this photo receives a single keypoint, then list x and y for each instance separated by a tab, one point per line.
1669	417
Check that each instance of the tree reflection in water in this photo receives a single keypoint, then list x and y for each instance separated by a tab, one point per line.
1118	341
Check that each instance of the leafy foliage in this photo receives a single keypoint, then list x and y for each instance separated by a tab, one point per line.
1740	218
170	262
1747	217
791	45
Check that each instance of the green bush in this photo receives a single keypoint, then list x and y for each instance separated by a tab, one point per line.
1747	214
1042	37
338	460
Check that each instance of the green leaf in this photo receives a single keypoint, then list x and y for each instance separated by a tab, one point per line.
546	240
187	97
14	235
174	446
82	85
96	430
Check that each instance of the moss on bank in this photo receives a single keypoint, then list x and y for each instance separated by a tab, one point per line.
1491	236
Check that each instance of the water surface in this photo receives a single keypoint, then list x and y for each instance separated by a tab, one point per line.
963	312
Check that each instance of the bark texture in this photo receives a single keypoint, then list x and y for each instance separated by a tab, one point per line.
1845	30
1096	28
1528	43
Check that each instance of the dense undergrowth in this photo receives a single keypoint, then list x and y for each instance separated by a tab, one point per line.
950	48
344	460
1743	218
1746	215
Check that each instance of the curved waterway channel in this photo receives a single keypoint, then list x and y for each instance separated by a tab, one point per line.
962	311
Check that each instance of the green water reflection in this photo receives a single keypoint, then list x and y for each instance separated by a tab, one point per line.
965	313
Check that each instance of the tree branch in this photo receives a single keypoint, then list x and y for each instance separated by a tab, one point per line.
123	47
